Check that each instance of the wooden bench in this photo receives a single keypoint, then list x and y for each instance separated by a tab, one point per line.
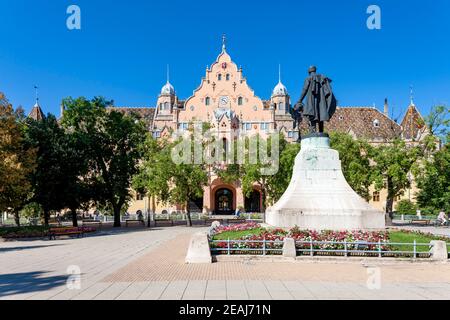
164	222
92	222
141	221
55	232
421	222
237	221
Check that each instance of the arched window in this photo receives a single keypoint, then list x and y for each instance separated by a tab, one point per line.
166	106
208	101
219	77
240	101
228	77
281	106
225	144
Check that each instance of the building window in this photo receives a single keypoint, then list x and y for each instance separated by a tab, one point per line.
225	144
139	196
280	106
376	196
240	101
265	126
183	126
247	126
157	134
291	134
219	77
227	77
166	106
208	101
376	123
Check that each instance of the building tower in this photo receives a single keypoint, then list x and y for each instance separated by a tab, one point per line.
36	112
280	99
167	98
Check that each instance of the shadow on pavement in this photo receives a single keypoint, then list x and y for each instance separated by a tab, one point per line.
19	283
3	250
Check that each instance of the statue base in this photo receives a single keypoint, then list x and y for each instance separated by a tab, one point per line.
319	197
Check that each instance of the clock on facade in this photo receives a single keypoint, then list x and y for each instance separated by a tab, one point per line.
223	102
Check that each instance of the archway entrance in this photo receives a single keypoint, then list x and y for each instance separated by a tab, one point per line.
253	202
224	204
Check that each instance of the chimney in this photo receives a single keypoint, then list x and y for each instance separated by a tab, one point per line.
62	109
386	108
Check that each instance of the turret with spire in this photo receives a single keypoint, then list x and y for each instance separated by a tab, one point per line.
280	96
36	112
167	98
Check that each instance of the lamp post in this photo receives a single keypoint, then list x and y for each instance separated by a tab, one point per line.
146	206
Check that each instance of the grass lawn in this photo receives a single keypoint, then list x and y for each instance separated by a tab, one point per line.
395	237
404	237
236	235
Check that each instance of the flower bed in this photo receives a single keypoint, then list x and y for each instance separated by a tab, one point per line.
272	239
34	232
235	228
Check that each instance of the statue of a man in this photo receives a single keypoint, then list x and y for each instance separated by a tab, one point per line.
321	102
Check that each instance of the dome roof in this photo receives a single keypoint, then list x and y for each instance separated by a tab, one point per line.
279	90
168	89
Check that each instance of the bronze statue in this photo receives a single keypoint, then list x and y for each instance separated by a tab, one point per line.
321	102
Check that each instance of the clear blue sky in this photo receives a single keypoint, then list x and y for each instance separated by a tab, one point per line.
123	48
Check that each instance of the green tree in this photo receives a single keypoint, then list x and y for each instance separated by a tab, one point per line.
433	181
18	160
112	148
188	181
393	163
154	170
49	180
279	182
272	183
438	122
354	156
406	207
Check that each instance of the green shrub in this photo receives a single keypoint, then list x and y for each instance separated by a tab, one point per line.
406	207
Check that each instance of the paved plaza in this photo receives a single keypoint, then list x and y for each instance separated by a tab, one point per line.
143	264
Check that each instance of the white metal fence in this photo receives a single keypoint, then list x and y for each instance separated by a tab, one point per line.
324	248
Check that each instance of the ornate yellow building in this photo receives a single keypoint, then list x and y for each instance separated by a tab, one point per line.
225	100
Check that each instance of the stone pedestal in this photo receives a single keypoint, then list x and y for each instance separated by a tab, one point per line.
319	197
199	251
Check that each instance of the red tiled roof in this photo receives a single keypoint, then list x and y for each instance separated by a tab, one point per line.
412	124
36	113
145	113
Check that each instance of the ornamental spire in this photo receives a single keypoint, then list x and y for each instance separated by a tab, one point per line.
279	72
168	73
36	91
224	42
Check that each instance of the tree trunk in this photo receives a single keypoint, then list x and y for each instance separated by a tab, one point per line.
17	218
116	209
46	217
390	197
74	217
188	213
263	208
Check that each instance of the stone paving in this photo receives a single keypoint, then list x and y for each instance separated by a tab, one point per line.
142	264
